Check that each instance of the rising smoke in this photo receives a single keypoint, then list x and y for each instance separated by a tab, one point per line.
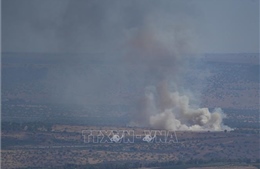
164	48
160	107
158	36
163	109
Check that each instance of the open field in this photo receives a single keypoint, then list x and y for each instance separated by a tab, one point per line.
64	144
40	130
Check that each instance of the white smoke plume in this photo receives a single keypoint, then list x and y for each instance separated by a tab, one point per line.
174	112
155	36
162	109
165	50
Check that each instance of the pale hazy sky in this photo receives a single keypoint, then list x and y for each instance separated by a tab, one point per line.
230	25
217	26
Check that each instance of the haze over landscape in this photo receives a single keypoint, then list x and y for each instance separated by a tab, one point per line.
189	66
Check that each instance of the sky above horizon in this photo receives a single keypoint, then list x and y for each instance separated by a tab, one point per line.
89	26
